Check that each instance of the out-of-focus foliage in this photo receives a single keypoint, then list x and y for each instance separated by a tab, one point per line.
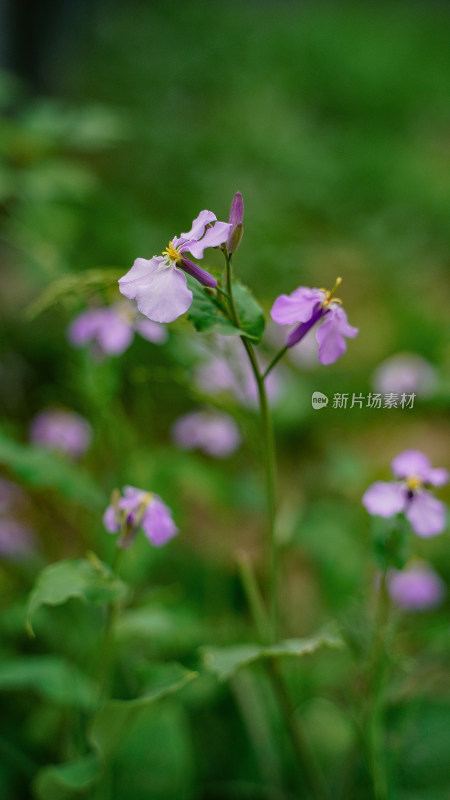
332	120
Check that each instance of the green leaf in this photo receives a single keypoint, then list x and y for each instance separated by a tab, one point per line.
66	781
79	284
117	716
91	581
45	468
225	661
51	677
206	312
250	313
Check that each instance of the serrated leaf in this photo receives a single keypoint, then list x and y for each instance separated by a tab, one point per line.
116	717
45	468
73	284
225	661
250	313
51	677
69	780
90	581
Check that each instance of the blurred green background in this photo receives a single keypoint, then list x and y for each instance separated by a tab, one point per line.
332	119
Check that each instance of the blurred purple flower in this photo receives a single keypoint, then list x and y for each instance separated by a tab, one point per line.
405	373
110	330
17	540
135	509
159	285
416	588
308	307
235	223
409	496
61	430
215	433
228	372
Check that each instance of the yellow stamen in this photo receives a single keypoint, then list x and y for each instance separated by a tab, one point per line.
329	296
413	483
172	253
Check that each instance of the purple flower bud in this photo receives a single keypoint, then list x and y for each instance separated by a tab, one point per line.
235	222
61	430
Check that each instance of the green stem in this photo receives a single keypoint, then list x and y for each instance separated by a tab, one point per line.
309	770
275	360
375	710
269	453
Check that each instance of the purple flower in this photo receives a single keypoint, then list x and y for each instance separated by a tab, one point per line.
416	588
405	373
235	223
110	330
228	373
138	509
159	285
409	495
308	307
61	430
17	540
215	433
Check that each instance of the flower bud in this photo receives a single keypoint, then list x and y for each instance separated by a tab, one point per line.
235	222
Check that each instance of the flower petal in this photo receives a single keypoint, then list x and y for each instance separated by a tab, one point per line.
385	499
152	331
212	238
110	520
415	588
437	476
157	523
411	463
115	333
198	225
201	275
215	433
297	306
330	335
84	327
426	514
161	292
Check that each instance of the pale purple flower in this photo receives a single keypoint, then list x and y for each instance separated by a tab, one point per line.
235	223
215	433
110	330
229	373
135	509
416	588
159	284
309	307
405	373
410	495
65	431
17	540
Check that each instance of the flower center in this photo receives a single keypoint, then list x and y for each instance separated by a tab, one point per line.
329	296
172	254
413	483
